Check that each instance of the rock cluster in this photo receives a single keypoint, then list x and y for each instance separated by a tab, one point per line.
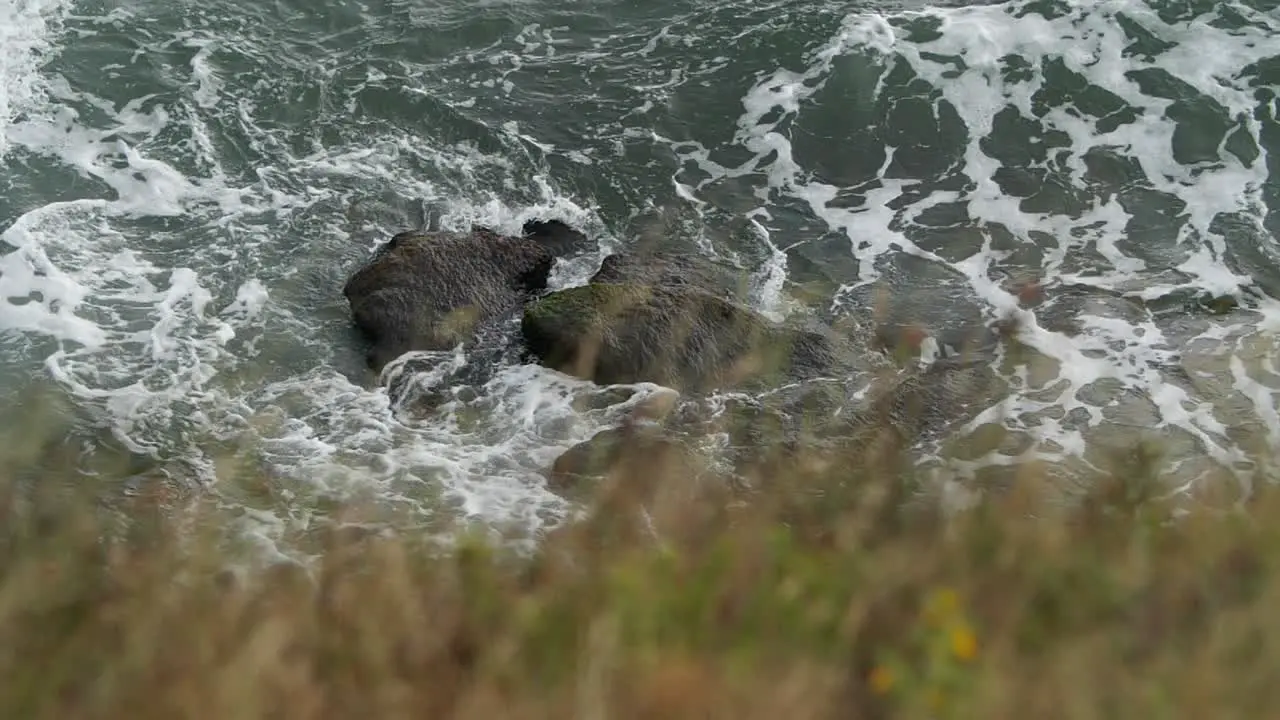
667	318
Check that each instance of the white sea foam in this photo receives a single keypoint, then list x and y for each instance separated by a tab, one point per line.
1089	41
166	288
182	291
28	36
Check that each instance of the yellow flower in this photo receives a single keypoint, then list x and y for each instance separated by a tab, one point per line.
881	680
943	604
964	644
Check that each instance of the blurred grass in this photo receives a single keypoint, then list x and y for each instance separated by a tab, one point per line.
826	594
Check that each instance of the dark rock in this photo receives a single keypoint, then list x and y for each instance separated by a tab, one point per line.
671	269
597	457
556	236
643	430
684	339
434	290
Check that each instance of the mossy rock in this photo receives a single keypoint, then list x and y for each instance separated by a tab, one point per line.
677	337
672	269
435	290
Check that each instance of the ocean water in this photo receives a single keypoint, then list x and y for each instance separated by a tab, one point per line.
184	188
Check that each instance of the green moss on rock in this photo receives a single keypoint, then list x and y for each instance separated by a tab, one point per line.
679	337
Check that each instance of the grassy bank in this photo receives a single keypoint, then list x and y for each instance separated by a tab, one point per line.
825	596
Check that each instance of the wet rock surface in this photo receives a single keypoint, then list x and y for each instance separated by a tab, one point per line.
753	393
436	290
682	338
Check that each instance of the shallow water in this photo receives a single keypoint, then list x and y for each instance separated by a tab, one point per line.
187	185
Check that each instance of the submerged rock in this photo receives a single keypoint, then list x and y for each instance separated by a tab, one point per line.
435	290
762	440
923	404
682	338
602	453
917	302
676	320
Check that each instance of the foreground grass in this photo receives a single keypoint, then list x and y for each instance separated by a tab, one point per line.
825	596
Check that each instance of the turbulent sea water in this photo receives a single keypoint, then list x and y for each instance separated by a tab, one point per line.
185	186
